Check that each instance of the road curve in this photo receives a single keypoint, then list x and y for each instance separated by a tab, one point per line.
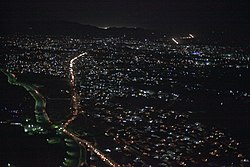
75	107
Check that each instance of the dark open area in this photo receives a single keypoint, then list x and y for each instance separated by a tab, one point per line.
22	150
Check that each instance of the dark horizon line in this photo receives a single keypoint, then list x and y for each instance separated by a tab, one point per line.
233	31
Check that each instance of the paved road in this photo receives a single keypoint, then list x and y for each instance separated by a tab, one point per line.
77	111
43	118
40	102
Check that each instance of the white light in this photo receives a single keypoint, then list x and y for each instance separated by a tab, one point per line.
191	35
175	41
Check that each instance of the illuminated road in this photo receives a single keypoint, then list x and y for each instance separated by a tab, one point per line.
175	41
75	97
76	111
40	105
90	146
42	116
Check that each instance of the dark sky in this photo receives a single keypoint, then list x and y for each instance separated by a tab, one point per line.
157	14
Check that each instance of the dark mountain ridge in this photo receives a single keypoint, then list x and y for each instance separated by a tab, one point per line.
72	28
220	36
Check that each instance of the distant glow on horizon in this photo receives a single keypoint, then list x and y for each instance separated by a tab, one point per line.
190	36
105	28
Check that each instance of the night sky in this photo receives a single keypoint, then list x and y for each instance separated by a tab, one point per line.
157	14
